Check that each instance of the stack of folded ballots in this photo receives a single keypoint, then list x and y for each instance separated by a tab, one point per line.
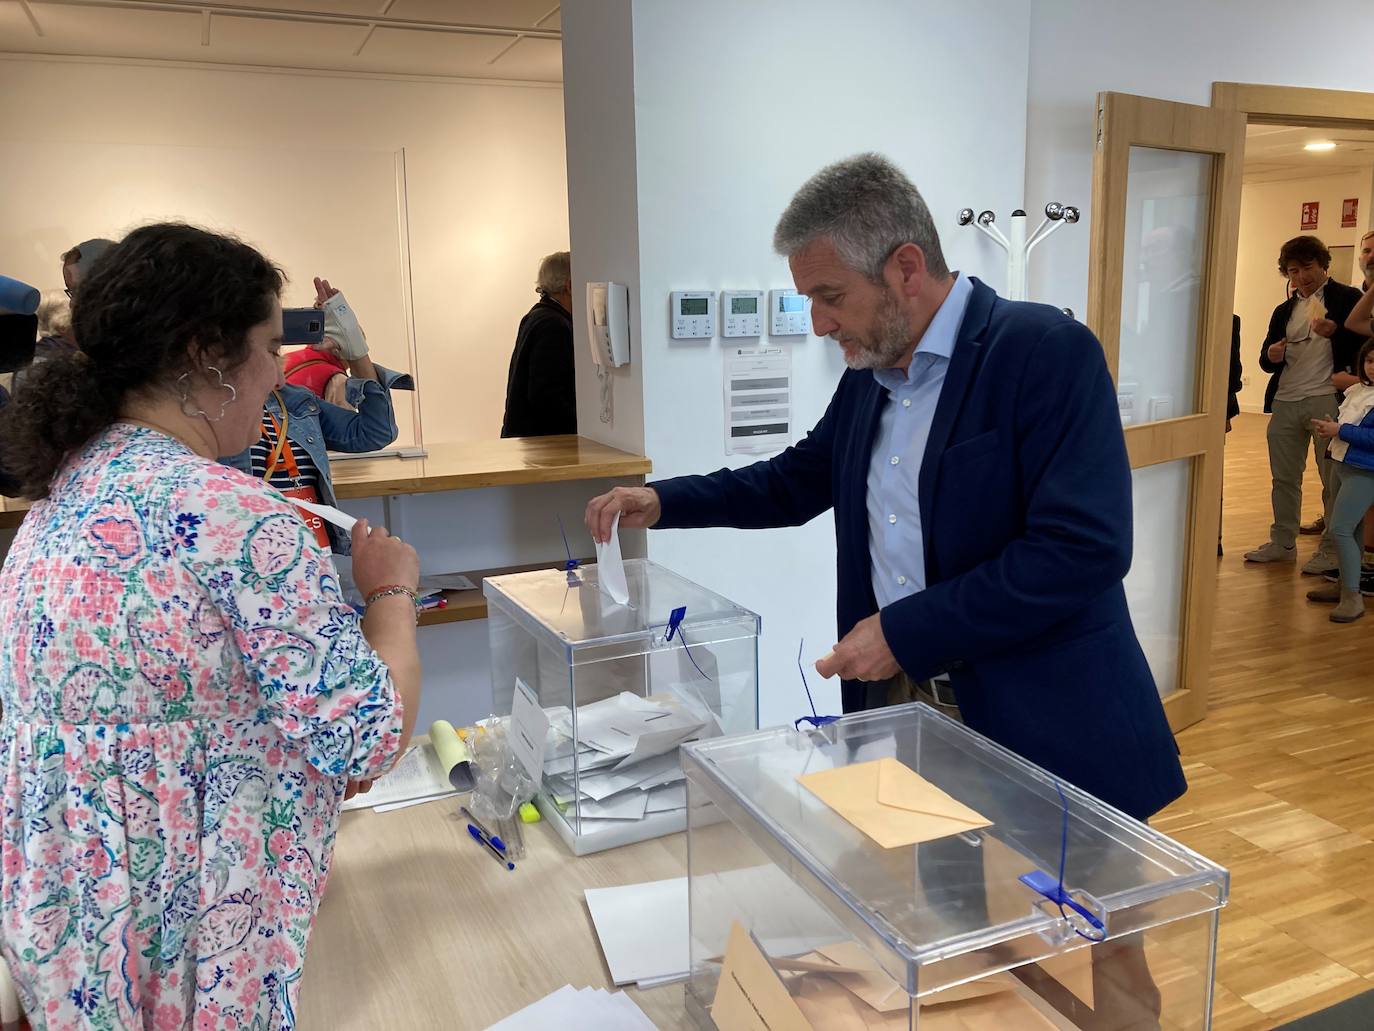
627	761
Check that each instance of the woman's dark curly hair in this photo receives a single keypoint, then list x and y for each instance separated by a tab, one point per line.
168	299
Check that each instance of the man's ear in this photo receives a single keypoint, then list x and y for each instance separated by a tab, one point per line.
905	269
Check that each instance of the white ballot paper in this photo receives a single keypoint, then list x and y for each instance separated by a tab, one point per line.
578	1009
610	567
416	776
642	929
529	726
328	513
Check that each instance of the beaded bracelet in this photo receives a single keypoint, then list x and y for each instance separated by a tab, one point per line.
390	590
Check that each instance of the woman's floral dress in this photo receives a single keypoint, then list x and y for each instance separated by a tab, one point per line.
185	697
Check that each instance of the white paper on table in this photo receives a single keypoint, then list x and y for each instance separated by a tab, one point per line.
391	807
628	805
446	582
415	775
666	797
328	513
642	929
610	567
572	1009
530	730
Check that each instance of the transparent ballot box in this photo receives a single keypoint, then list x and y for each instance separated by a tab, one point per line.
896	870
622	687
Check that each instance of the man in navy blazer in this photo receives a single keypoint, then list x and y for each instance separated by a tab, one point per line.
974	458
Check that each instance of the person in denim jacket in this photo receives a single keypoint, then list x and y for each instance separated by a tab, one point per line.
1352	449
299	428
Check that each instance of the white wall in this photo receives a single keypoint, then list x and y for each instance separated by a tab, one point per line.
727	125
485	176
1271	213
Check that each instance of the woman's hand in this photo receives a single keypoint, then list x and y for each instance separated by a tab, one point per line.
1326	428
323	291
356	787
381	560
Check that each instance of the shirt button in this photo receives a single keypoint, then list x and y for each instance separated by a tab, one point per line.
894	460
310	440
906	402
892	519
901	581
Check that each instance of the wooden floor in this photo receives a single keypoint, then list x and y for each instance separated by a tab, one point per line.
1281	772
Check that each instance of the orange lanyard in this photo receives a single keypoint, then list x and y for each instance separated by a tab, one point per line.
282	450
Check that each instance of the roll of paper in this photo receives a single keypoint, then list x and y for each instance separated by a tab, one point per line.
452	752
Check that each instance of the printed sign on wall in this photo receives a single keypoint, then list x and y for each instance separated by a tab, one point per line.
1350	212
1309	214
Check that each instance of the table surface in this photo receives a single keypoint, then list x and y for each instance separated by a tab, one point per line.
422	928
461	466
486	463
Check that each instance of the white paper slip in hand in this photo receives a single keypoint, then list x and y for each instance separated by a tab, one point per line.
610	567
328	513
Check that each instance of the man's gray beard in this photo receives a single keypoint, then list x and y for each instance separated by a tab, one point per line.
894	340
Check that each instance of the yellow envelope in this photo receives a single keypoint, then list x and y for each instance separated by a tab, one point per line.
750	996
891	803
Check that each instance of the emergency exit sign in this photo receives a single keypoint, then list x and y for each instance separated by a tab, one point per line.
1309	214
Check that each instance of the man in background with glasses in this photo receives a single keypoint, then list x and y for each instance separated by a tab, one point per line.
1310	356
78	261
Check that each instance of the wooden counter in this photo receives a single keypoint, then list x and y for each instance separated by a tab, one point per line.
12	512
461	466
486	463
421	928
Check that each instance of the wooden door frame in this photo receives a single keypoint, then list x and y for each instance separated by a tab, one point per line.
1296	105
1126	121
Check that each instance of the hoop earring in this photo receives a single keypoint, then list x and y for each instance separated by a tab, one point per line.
184	389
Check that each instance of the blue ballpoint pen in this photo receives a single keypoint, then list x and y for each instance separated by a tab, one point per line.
492	845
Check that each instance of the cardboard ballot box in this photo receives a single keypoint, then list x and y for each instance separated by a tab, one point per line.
896	870
615	688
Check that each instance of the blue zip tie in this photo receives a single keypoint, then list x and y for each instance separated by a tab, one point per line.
675	619
813	719
572	563
1041	882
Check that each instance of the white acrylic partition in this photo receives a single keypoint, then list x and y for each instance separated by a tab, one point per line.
1167	203
1155	584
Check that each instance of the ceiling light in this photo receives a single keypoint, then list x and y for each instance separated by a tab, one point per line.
1323	145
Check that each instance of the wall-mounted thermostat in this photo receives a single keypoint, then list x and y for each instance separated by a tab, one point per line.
741	313
791	317
693	314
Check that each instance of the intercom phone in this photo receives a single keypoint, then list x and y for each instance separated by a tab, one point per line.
608	322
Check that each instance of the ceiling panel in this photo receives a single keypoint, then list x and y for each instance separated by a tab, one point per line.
281	43
1274	153
540	60
353	7
101	32
70	28
521	13
430	53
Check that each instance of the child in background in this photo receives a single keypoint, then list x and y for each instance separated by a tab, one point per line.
1352	451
